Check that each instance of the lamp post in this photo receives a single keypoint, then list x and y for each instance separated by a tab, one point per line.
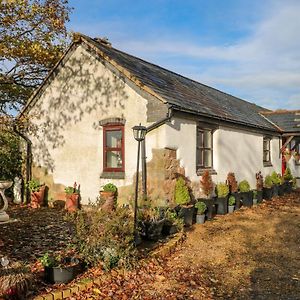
139	133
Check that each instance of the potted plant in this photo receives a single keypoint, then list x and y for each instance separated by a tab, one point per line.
287	154
268	188
288	178
72	198
109	195
276	183
151	223
60	269
37	193
231	203
201	208
246	194
281	186
259	186
207	187
183	199
172	223
222	198
233	188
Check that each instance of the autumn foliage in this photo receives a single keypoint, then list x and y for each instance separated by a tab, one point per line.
232	183
33	36
206	183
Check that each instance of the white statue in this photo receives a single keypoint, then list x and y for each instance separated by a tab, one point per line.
17	190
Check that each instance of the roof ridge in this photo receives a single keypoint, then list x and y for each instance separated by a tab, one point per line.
177	74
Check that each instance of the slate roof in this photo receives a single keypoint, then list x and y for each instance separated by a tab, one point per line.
288	121
187	94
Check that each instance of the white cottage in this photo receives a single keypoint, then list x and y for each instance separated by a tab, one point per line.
83	114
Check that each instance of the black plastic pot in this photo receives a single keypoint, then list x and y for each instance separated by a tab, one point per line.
281	190
169	228
247	198
62	274
259	196
152	230
237	197
289	187
187	213
210	204
222	205
275	190
267	193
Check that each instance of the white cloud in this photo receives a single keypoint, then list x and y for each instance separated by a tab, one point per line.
267	61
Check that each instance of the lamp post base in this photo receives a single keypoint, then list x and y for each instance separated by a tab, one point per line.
4	217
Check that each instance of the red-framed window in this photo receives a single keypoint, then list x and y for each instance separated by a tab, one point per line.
113	148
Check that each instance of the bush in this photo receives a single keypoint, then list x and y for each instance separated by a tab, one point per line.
231	200
222	190
10	156
275	178
268	181
106	238
110	187
288	174
232	183
182	195
71	190
206	183
33	185
244	186
201	207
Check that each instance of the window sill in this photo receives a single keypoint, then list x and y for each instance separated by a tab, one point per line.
201	171
268	164
113	175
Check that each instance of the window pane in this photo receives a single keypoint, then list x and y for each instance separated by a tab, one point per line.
266	156
266	144
199	158
199	138
114	159
207	158
207	139
114	139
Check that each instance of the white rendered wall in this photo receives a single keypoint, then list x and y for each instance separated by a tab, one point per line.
69	111
235	151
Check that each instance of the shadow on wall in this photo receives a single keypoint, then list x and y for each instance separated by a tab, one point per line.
78	89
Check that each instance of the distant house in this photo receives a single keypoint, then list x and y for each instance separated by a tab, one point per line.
82	118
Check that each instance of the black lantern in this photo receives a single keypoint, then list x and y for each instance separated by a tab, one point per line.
139	132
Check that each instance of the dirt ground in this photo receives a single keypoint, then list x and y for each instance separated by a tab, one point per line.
250	254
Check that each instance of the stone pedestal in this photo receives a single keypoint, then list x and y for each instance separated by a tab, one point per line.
3	186
4	217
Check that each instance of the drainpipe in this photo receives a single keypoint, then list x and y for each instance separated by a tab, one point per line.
144	164
28	159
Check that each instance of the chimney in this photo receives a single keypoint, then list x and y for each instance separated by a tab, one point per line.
104	41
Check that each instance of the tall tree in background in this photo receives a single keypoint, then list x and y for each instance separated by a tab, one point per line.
33	36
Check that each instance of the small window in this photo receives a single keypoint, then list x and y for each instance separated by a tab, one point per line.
113	148
204	152
267	150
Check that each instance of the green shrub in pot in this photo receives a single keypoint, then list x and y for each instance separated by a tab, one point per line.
244	186
222	190
201	207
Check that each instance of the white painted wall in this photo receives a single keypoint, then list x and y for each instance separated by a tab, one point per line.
235	151
69	140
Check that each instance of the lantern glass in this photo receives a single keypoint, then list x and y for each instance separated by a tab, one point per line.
139	132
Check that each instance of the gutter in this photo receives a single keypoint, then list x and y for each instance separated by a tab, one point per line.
28	158
224	119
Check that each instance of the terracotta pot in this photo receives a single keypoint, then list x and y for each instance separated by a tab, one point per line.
37	198
72	202
109	204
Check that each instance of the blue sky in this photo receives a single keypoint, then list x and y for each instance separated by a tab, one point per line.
250	49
